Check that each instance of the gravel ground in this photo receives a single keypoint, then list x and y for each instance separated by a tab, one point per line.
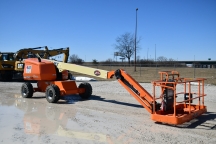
111	116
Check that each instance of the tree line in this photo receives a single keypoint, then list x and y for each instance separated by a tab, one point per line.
125	48
160	62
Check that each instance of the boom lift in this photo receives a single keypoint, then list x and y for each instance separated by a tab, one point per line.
165	108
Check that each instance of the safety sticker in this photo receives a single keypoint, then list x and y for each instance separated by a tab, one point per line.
28	69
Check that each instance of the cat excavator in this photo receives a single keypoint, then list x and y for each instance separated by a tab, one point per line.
165	106
7	64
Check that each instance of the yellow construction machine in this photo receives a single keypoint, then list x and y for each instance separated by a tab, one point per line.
7	64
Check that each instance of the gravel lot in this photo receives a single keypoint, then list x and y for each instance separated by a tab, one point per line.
111	116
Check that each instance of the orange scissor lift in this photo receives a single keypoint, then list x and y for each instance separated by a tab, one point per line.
165	108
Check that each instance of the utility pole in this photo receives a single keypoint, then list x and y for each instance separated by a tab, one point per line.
155	53
135	41
194	65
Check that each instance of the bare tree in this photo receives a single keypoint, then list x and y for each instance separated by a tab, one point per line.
94	61
109	60
75	59
125	45
162	59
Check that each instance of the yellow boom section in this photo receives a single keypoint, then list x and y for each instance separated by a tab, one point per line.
81	69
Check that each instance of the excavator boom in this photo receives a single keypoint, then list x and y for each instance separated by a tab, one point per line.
54	52
27	52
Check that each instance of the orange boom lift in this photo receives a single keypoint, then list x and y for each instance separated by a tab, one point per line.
164	106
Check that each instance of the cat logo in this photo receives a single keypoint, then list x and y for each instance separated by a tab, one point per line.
20	65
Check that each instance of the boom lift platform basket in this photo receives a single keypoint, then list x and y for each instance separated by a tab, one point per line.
173	111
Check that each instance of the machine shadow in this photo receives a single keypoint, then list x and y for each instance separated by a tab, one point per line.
205	121
38	97
71	99
98	98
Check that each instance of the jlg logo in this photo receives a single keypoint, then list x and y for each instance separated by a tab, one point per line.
97	72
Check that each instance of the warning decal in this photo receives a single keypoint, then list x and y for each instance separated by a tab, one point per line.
28	68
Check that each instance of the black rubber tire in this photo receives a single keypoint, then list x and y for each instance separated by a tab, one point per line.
52	93
88	90
27	90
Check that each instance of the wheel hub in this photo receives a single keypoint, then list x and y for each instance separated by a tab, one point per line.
50	95
24	91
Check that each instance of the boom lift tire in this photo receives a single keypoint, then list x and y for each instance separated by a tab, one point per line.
88	90
27	90
52	93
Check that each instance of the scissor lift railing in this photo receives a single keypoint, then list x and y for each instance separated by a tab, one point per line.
179	111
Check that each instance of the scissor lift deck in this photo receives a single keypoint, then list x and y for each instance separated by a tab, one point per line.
180	111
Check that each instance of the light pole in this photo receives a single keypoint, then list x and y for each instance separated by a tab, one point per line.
135	40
